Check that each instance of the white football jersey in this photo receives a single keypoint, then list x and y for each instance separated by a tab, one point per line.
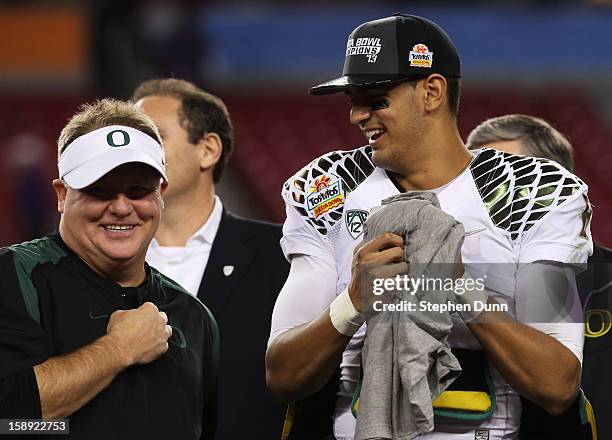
514	210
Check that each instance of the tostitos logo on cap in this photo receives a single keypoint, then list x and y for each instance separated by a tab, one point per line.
420	56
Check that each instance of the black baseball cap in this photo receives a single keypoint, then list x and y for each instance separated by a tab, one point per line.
393	49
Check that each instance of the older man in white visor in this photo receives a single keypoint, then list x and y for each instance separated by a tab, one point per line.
88	331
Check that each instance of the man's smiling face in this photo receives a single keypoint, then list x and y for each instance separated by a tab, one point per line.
113	220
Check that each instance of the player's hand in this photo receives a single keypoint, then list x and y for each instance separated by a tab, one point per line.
141	335
382	257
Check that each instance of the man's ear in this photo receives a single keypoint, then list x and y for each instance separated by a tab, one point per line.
435	92
210	150
163	187
60	192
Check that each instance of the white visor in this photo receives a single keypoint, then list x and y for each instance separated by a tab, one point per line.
94	154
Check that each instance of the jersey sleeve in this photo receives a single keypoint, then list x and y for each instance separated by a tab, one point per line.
315	198
311	284
547	299
309	290
22	343
562	235
301	238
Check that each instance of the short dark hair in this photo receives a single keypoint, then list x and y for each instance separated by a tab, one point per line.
453	95
200	113
103	113
536	136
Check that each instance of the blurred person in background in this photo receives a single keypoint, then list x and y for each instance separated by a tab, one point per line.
26	161
233	264
88	330
402	79
530	136
523	135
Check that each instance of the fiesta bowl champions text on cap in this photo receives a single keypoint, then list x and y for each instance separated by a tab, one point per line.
392	49
91	156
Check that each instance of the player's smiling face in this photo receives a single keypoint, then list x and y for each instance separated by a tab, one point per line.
389	118
112	221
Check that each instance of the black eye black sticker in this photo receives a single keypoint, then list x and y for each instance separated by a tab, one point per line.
379	104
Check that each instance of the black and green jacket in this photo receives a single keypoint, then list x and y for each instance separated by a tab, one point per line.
52	303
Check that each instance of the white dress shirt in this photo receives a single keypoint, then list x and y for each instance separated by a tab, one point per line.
186	264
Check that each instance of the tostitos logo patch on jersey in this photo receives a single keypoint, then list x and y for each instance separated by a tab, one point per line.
420	56
325	195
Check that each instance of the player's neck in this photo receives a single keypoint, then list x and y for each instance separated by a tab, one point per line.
183	216
434	165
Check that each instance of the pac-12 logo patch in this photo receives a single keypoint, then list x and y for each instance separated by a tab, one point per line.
325	195
355	220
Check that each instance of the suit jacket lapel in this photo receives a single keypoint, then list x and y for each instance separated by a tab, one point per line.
229	250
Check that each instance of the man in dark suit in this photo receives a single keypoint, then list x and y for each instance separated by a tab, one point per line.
234	265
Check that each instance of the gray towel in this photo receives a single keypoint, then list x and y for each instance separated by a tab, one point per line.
406	359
